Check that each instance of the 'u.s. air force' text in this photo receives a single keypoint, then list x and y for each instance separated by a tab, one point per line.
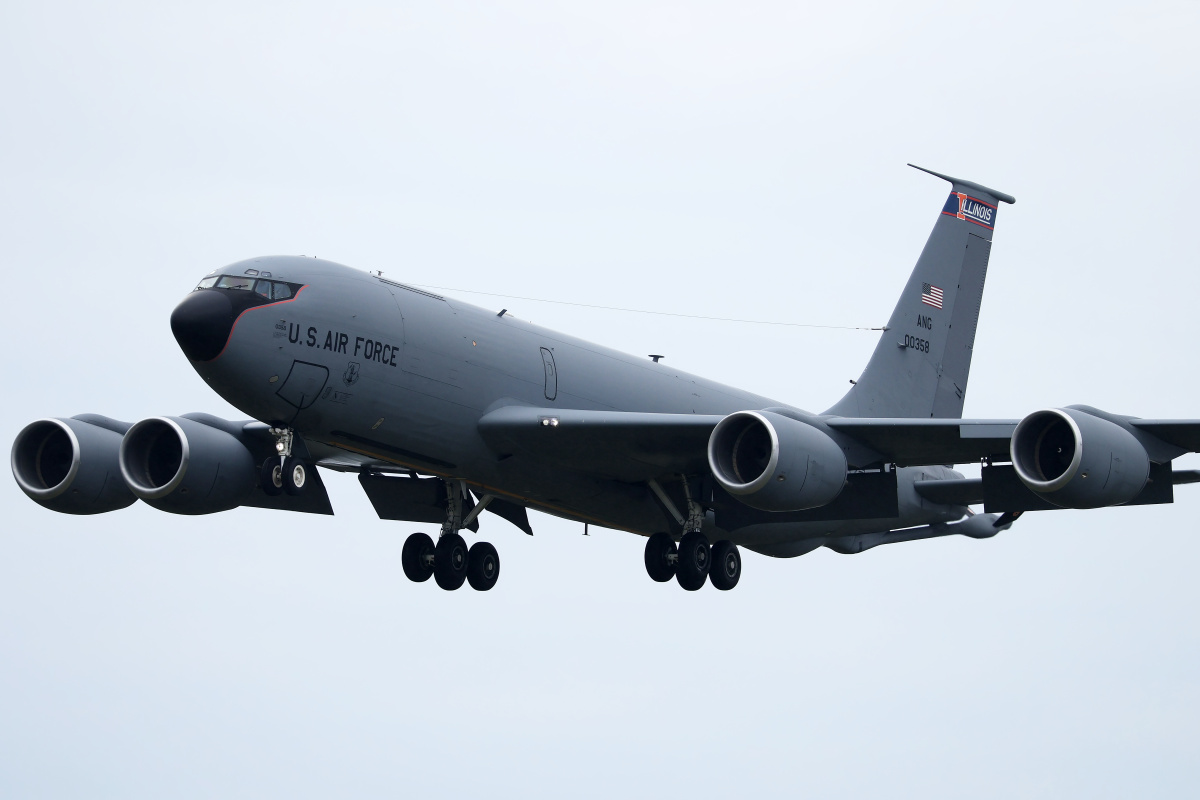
338	342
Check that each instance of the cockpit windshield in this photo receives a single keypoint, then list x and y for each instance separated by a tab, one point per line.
231	282
268	290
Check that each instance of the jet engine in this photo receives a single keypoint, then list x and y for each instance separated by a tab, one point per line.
71	465
1075	460
775	463
186	467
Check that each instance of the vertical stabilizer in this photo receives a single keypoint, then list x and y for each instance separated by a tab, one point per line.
920	367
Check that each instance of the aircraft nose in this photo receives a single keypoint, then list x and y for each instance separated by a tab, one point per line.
202	324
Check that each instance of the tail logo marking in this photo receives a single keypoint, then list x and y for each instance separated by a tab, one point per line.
931	295
963	206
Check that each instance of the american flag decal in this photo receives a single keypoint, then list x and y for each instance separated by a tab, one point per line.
931	295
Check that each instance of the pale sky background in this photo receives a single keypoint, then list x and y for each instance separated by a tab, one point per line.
722	159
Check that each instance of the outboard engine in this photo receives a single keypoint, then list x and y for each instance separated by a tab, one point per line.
186	467
71	465
775	463
1075	460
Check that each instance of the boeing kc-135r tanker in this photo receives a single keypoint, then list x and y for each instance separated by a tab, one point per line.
445	410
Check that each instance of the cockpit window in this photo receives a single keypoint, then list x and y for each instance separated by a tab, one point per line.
233	282
268	290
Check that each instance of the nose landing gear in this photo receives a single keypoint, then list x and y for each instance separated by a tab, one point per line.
284	472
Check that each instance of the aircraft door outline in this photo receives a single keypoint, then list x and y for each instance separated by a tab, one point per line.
551	390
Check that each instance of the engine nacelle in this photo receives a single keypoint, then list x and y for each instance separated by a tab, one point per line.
185	467
775	463
1075	460
71	466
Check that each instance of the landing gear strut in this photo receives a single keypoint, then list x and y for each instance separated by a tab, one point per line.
450	562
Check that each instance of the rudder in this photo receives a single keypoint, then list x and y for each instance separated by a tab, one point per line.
921	364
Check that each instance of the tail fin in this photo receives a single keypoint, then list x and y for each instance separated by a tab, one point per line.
920	367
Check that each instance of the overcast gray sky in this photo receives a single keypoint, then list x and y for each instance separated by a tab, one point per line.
721	159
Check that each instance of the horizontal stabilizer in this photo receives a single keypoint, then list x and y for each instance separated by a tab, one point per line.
1001	196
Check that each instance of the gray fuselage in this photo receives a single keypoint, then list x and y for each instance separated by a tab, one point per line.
384	372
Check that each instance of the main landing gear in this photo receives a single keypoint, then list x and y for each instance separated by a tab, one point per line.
450	562
692	561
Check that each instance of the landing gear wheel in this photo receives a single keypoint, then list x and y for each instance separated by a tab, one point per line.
659	565
295	476
450	562
694	561
726	565
271	476
483	566
415	557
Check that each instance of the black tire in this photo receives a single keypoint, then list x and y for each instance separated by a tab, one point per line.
694	561
658	566
295	476
271	476
414	557
450	562
726	567
483	566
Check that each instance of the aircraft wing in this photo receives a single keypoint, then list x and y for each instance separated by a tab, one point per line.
1181	433
635	446
917	442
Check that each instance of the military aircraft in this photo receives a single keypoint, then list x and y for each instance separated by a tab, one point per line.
446	410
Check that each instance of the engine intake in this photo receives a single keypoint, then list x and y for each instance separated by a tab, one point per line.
71	466
775	463
1076	460
185	467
